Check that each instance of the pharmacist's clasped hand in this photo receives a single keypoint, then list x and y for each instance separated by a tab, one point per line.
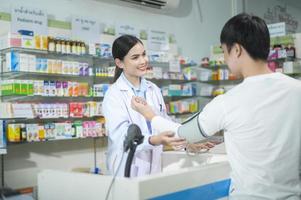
141	106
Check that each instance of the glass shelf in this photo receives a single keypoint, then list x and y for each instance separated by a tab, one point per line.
17	98
188	65
293	74
169	81
102	79
46	52
176	98
38	75
222	82
31	120
214	67
159	64
184	113
51	140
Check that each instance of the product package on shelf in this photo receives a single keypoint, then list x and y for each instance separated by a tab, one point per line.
290	67
16	87
183	106
99	90
18	132
188	89
6	111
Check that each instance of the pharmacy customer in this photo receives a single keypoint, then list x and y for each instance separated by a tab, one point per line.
261	117
131	65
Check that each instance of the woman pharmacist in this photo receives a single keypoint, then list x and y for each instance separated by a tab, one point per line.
131	64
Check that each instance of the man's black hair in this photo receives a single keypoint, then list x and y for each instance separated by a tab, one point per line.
249	31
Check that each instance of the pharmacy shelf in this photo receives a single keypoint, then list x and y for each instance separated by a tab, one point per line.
293	74
177	98
162	82
179	114
45	120
17	98
103	79
188	65
53	140
42	76
159	64
57	55
214	67
280	60
222	82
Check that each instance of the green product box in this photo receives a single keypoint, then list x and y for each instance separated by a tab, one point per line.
30	88
16	88
10	87
24	88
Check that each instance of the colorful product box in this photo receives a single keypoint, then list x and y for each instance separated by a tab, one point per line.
12	62
14	133
32	132
10	40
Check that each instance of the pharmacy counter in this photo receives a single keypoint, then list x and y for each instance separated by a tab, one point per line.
204	176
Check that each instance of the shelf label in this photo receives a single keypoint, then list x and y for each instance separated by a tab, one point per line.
123	29
85	29
157	40
277	29
31	19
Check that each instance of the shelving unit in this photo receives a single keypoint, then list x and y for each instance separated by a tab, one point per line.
91	78
222	82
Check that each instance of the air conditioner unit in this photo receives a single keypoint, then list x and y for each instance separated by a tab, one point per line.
177	8
155	4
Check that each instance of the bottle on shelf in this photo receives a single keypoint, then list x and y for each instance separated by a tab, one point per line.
51	44
73	47
58	46
83	48
63	46
68	47
78	47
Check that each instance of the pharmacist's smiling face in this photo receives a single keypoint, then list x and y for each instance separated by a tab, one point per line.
136	61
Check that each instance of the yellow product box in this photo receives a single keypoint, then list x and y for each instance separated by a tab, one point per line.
41	132
14	133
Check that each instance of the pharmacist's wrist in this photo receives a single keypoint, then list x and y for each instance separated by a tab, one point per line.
149	115
153	140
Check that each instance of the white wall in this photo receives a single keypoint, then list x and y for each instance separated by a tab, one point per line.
194	34
294	14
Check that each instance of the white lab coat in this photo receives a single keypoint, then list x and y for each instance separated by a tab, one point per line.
119	115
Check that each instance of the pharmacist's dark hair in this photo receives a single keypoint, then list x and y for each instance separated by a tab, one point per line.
121	46
249	31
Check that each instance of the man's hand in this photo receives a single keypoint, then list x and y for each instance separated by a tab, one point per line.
140	105
168	138
200	147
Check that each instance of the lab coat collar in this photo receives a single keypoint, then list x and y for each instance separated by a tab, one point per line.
124	86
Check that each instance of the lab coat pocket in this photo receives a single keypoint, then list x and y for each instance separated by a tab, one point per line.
143	162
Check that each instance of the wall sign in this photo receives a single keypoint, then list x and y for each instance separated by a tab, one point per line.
277	29
124	29
157	40
23	18
85	29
